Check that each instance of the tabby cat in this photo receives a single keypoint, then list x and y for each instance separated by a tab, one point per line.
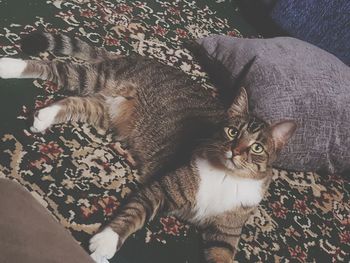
162	115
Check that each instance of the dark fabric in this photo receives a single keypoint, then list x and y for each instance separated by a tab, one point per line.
291	79
321	22
257	13
29	233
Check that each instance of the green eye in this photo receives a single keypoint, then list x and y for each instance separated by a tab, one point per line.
257	148
231	132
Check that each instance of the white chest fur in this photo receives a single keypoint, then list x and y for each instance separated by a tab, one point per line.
218	193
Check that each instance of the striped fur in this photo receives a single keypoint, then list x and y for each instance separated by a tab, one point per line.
215	191
173	128
61	44
185	111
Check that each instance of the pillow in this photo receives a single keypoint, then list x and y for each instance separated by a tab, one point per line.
291	79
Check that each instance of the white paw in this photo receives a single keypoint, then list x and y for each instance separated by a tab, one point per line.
104	245
11	67
45	118
99	258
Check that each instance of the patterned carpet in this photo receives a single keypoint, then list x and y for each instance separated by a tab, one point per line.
80	175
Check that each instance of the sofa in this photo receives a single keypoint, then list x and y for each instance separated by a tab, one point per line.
80	175
320	22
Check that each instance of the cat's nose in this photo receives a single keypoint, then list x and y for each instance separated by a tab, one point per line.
236	152
239	149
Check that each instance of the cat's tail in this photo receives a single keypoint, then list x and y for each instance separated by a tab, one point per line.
37	42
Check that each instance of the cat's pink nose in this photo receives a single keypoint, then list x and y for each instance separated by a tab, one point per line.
236	152
239	149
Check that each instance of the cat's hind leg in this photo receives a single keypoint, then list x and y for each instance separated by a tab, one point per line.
84	79
19	68
85	109
12	68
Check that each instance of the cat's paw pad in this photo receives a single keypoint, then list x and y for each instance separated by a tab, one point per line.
11	67
104	244
44	118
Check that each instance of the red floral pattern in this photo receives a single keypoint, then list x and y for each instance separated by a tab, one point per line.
279	210
171	225
297	253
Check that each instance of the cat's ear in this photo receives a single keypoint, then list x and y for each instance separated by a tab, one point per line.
281	132
240	104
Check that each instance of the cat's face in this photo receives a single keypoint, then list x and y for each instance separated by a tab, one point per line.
247	145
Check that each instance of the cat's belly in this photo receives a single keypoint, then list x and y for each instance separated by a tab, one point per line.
219	193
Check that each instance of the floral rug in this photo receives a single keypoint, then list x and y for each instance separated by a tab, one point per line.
80	175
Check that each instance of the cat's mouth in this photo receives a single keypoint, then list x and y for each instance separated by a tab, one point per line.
236	164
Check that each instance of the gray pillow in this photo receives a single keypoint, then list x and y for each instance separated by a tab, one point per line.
291	79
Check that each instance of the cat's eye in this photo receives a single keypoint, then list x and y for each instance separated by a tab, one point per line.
231	132
257	148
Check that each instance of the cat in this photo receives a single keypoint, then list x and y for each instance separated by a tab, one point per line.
155	109
200	161
217	190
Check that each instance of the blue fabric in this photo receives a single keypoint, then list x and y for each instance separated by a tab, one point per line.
323	23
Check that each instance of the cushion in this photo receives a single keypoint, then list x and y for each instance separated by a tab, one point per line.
291	79
30	234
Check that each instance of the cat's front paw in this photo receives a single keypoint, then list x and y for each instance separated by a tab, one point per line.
104	245
45	118
11	68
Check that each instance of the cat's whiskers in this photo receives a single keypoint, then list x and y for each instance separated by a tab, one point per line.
249	168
